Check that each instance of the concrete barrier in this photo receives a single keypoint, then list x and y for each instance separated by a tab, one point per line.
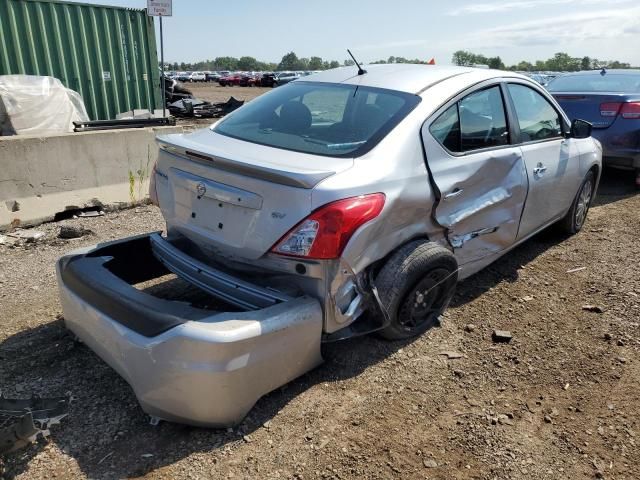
43	176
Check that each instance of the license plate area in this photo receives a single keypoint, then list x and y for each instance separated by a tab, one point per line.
224	211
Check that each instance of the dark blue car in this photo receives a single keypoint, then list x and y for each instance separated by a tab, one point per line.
610	100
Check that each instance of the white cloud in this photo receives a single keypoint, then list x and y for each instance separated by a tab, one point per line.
561	30
505	6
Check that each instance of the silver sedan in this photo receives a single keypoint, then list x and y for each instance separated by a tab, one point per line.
340	204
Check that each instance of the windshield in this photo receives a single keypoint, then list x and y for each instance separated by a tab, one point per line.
623	83
321	118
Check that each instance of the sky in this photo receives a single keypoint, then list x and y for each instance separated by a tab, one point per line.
375	29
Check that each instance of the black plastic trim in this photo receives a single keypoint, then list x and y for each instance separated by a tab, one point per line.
103	280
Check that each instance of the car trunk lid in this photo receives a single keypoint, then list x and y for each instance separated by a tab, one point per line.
600	109
234	198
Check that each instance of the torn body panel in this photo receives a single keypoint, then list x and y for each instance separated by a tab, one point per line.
482	198
22	421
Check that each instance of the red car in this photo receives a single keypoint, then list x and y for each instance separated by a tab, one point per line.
230	80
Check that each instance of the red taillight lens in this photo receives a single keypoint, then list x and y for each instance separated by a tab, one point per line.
630	110
609	109
325	233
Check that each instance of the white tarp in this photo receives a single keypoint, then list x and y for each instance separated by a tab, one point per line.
37	105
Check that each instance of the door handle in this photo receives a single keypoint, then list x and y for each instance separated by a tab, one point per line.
539	170
455	193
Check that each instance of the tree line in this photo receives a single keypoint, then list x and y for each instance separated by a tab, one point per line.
290	61
560	62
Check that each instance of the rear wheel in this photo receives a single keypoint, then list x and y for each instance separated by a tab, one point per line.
574	220
415	287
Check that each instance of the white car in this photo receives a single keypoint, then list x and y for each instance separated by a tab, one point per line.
197	77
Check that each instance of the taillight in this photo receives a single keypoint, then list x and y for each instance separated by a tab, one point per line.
325	233
609	109
630	110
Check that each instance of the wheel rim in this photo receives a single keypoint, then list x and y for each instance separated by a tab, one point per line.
584	200
425	302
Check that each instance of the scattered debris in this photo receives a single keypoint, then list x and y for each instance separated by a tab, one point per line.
451	355
547	419
91	213
29	236
21	421
105	457
3	239
593	308
527	298
577	269
188	107
501	336
470	328
608	336
68	232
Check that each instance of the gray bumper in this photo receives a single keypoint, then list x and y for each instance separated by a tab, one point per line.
209	371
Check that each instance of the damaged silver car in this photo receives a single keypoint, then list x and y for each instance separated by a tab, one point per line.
337	205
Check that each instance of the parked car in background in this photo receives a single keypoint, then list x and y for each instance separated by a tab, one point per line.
212	76
285	77
268	79
610	100
230	80
182	76
335	206
197	77
249	80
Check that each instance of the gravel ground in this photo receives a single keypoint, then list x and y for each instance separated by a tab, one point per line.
562	400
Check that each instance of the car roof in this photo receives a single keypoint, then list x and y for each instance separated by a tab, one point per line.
404	77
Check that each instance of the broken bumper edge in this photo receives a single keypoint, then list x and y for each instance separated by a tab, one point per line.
208	372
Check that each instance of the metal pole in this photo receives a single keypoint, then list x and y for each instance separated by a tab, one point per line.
164	98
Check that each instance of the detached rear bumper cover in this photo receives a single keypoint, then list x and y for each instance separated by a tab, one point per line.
185	364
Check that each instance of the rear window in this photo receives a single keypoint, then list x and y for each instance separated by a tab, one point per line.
610	82
320	118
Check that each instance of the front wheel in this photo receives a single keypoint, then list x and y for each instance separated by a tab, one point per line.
415	287
574	220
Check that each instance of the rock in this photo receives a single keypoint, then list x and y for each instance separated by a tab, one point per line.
547	419
429	463
450	354
620	343
608	336
622	359
67	232
501	336
593	308
470	328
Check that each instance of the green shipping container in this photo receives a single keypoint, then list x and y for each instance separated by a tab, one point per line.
107	54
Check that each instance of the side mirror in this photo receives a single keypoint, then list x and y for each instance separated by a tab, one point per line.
580	129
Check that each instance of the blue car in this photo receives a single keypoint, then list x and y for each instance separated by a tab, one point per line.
610	101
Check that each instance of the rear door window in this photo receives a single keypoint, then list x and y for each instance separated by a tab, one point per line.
476	122
537	118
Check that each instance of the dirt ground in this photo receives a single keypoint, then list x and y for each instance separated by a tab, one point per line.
561	401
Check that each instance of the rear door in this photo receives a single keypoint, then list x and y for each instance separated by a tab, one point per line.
551	160
479	173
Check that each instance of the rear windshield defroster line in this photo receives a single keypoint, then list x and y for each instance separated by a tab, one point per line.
333	120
